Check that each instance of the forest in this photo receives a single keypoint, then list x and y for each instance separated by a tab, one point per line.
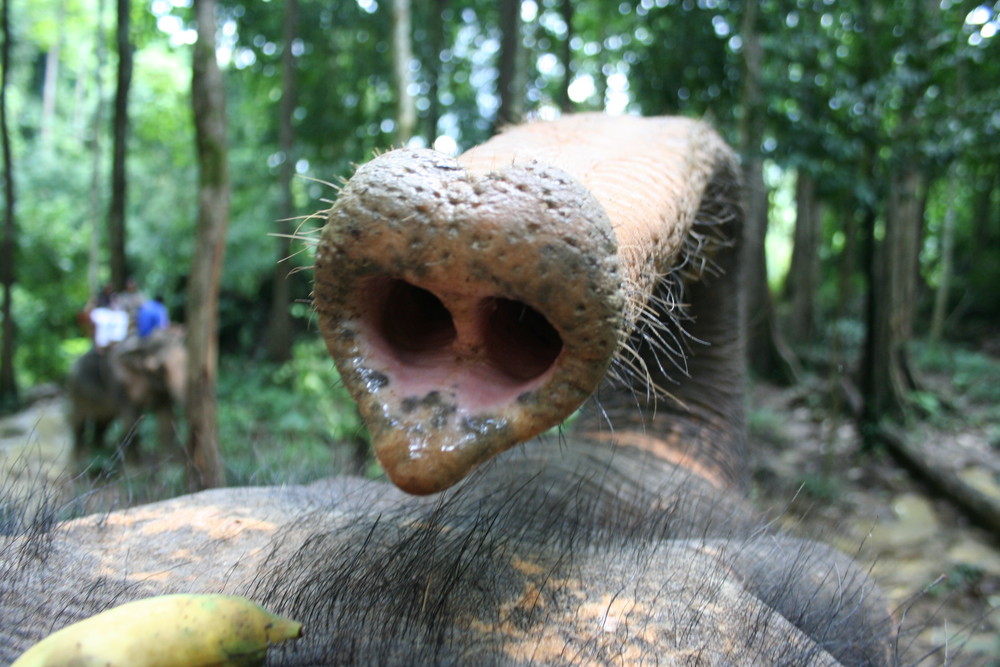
190	144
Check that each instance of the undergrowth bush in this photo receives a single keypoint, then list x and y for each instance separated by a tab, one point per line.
974	376
287	423
766	426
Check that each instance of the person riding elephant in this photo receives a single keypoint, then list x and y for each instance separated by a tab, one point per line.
124	382
110	326
152	316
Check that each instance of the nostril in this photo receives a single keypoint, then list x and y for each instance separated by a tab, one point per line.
414	321
520	342
481	348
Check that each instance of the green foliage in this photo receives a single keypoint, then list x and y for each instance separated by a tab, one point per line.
291	423
50	265
975	377
850	332
313	379
767	426
821	487
963	576
927	402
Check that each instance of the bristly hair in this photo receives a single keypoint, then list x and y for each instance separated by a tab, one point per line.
660	315
310	226
441	578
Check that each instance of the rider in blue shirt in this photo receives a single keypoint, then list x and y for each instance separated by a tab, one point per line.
152	315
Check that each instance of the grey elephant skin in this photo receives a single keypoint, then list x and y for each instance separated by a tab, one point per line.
125	382
470	304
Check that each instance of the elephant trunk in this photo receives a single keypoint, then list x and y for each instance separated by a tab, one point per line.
471	304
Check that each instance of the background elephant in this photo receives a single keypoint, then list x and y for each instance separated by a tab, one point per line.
124	382
471	304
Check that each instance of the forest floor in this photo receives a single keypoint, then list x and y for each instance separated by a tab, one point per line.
940	573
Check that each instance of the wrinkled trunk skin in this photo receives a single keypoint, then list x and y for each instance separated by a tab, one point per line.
471	304
471	309
123	383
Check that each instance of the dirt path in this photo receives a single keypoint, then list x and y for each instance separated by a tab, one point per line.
35	448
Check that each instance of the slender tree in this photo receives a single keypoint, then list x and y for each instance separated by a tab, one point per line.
803	276
508	82
436	30
893	292
94	249
8	383
767	353
280	321
947	270
947	262
893	272
847	262
402	55
207	95
566	104
119	181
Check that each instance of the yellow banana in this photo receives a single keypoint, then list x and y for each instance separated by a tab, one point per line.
167	631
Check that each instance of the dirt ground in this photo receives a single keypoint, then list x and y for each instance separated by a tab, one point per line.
941	574
35	448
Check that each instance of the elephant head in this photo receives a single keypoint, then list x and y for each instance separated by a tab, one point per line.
471	304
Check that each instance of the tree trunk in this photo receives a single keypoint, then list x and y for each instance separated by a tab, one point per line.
280	321
8	380
947	263
79	105
803	278
509	79
402	54
911	205
846	267
566	104
892	293
436	36
847	263
116	213
768	355
96	199
207	95
986	214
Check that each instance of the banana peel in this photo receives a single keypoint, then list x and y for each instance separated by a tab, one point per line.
167	631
